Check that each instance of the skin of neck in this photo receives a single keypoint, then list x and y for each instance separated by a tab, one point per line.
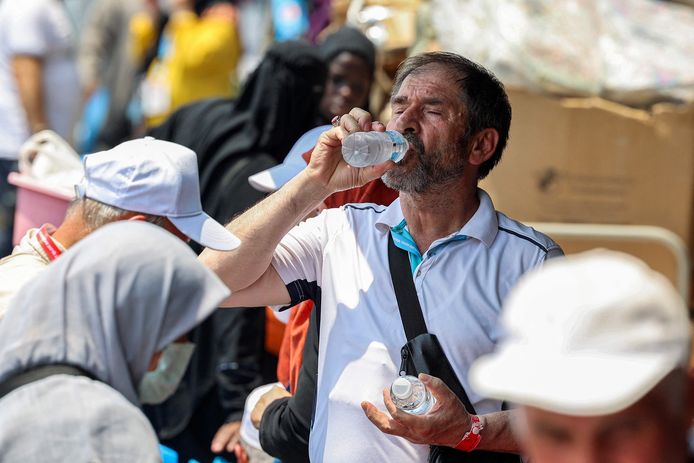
74	229
441	210
71	230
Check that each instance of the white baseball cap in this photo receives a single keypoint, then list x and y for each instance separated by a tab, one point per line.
154	177
273	178
587	335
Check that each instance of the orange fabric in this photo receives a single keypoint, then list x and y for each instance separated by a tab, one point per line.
291	353
274	332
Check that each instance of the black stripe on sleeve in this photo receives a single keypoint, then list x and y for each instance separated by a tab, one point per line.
523	237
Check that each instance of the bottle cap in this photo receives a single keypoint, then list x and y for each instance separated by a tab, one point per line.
401	388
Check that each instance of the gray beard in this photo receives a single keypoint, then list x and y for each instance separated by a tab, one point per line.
416	181
425	175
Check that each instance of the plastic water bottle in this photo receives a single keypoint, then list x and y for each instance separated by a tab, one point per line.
410	395
364	149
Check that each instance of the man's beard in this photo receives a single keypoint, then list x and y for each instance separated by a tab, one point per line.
429	170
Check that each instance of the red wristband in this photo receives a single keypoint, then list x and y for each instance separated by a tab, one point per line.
472	438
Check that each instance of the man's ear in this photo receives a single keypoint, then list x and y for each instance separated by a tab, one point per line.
483	146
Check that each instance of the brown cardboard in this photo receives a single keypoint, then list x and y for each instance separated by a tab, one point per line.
588	160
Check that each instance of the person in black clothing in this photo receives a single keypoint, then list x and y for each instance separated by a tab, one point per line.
351	60
233	140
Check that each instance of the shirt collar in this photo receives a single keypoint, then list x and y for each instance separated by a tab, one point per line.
483	225
55	246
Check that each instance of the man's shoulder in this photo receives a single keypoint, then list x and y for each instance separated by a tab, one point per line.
364	210
365	217
23	260
16	270
523	235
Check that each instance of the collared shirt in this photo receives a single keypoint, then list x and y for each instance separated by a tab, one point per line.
26	261
340	260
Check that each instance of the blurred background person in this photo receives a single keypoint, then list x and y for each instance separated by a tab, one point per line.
235	139
81	336
254	25
351	58
107	72
189	50
39	87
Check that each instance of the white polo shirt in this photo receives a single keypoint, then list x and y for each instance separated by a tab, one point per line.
340	260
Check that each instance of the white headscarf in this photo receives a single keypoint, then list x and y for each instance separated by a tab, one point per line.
108	304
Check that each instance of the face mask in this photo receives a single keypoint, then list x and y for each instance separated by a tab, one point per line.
158	385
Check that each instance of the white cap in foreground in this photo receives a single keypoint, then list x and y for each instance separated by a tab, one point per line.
586	335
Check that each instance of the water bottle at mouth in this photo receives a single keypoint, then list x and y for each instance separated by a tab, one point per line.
364	149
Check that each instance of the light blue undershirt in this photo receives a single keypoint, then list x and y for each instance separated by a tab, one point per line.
403	240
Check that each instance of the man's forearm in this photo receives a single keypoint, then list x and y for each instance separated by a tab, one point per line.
497	435
261	228
28	73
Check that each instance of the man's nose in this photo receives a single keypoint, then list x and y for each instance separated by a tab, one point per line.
407	121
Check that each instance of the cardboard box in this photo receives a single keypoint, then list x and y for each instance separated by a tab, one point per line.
587	160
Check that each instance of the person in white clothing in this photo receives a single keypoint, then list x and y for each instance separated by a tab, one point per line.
464	257
39	85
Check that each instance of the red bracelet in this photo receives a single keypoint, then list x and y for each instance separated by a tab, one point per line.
472	438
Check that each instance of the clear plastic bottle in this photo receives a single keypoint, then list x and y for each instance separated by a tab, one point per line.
410	395
363	149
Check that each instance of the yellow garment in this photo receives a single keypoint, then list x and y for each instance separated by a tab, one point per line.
200	62
143	33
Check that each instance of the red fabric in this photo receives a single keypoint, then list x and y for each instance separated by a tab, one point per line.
292	350
373	192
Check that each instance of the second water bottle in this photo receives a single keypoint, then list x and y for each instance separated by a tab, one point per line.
410	395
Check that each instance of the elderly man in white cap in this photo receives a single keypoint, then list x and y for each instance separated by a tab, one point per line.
597	354
143	179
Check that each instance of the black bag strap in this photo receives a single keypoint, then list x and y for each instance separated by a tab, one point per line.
38	373
405	292
425	346
411	310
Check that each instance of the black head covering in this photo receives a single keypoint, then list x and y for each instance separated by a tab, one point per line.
277	105
351	40
233	140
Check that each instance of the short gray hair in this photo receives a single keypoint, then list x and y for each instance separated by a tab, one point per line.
96	214
482	94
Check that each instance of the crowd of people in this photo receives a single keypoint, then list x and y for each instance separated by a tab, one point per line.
145	318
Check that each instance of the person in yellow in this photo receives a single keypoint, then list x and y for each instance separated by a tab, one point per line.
189	54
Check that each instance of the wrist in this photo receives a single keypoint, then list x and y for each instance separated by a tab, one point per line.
471	439
313	187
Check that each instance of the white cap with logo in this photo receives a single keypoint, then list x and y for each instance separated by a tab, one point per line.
587	335
154	177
